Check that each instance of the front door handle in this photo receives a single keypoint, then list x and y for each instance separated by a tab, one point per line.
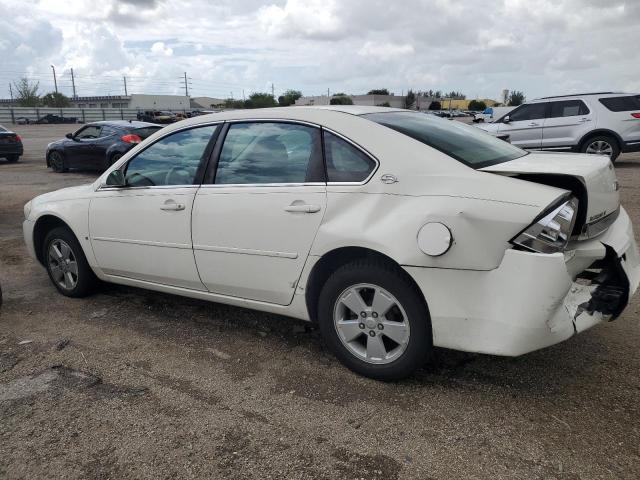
534	124
171	205
584	120
302	208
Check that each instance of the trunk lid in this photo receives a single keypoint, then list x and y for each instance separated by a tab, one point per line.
595	174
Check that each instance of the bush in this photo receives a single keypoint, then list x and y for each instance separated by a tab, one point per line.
341	100
378	91
477	105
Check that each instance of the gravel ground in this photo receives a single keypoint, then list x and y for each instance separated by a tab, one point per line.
135	384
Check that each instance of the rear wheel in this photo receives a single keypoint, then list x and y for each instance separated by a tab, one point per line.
13	158
66	264
114	158
57	163
602	145
374	320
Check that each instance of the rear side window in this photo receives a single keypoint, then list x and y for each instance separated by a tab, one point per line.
568	108
621	104
107	131
532	111
345	163
270	152
145	132
172	160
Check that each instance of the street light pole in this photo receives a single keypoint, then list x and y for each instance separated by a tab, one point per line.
55	82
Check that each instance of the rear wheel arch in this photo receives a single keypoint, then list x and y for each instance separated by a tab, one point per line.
43	226
336	258
598	133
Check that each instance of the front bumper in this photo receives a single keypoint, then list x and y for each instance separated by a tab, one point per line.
531	300
27	231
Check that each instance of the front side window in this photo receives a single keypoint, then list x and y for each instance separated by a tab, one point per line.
270	152
568	108
468	145
532	111
87	133
173	160
345	163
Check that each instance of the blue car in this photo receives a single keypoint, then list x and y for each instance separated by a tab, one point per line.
97	145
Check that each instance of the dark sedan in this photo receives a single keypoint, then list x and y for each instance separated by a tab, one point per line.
97	145
10	145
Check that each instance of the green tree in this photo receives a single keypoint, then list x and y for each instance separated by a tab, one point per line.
410	99
477	105
378	91
516	98
55	99
384	104
435	105
289	97
260	100
341	99
27	92
230	103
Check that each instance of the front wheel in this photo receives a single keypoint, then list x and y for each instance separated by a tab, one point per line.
374	320
602	145
56	160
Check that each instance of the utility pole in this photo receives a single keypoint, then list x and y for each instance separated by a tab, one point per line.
55	82
243	99
186	85
73	84
273	93
328	98
11	92
124	80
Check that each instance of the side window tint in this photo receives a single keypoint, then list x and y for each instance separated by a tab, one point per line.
172	160
89	133
345	163
568	108
270	152
106	131
532	111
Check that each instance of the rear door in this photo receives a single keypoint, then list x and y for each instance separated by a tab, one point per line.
567	123
254	221
525	125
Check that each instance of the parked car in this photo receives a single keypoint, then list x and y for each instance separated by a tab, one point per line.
156	116
50	118
394	231
598	123
22	120
491	114
97	145
10	145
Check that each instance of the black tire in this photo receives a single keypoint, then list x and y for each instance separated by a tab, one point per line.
13	158
114	158
85	278
57	162
599	140
419	344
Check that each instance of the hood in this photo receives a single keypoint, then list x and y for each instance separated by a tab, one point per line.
65	194
594	179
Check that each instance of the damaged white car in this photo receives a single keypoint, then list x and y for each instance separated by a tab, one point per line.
393	230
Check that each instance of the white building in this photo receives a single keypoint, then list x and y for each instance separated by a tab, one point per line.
395	101
135	100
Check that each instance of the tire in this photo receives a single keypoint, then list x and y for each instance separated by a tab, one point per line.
602	144
13	158
61	250
371	351
114	158
57	162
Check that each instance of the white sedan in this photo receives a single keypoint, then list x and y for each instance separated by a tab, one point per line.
393	230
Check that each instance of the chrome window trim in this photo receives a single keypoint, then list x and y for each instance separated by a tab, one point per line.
149	187
272	185
361	149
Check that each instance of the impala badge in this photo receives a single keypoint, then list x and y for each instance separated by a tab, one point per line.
388	178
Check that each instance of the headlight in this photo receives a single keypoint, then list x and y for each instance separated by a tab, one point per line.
550	233
27	210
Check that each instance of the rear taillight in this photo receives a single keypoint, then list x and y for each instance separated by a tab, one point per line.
131	138
18	139
636	115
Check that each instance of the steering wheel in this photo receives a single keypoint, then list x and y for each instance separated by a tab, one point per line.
181	171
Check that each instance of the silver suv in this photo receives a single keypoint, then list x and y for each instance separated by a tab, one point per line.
604	123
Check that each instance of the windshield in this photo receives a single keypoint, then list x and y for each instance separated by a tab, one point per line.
469	145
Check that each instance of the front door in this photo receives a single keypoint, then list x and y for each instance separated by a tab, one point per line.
143	231
255	221
525	125
77	151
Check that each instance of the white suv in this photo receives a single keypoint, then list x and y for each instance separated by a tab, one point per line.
602	123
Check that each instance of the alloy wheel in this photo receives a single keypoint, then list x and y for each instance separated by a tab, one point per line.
56	161
62	264
600	147
371	323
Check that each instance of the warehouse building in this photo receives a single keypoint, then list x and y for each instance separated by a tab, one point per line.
135	100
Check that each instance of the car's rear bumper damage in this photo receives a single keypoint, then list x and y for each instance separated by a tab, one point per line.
533	300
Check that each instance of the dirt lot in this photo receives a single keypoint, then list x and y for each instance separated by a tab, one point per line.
133	384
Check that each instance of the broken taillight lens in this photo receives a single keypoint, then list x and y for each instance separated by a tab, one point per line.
551	232
131	138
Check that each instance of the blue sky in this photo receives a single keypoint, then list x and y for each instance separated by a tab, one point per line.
227	47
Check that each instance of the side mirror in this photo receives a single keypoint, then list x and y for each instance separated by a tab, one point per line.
69	136
506	119
116	179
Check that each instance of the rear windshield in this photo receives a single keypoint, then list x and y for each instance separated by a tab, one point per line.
469	145
622	104
146	131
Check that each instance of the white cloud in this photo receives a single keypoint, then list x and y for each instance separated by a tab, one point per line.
160	49
385	51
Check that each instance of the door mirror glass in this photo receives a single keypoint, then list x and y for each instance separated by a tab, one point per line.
506	119
116	179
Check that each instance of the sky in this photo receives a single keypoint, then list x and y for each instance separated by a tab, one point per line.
228	47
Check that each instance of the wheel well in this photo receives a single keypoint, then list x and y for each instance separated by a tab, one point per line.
597	133
49	156
333	260
44	225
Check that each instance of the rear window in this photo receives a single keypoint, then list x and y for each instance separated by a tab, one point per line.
622	104
469	145
146	131
2	129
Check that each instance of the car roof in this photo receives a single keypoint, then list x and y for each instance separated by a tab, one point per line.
124	123
578	95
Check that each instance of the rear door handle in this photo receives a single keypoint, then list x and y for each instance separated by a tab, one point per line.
171	205
584	120
302	208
